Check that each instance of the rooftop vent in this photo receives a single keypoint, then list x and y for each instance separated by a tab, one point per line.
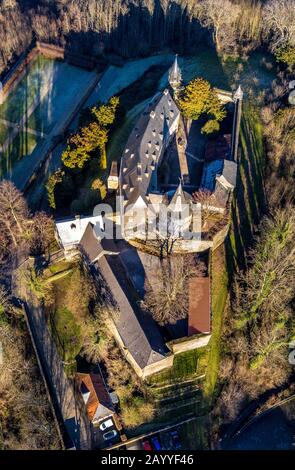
126	150
150	143
171	112
154	132
166	91
162	115
152	114
131	155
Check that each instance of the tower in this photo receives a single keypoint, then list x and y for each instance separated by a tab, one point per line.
174	75
238	98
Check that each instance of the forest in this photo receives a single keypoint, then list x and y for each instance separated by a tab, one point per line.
138	27
258	324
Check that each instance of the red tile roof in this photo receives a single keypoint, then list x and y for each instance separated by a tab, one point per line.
199	306
94	384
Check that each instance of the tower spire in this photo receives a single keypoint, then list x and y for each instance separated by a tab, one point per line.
174	75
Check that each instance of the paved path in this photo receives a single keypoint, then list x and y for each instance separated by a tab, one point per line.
70	405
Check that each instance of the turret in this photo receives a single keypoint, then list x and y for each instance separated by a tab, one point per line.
174	75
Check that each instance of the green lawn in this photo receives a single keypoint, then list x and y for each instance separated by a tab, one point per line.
247	207
194	434
219	285
67	334
185	366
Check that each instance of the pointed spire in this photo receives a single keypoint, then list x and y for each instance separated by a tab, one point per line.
178	199
174	74
238	94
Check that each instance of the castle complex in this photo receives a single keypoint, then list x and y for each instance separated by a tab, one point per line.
148	207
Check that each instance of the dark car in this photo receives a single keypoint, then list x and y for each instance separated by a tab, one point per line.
175	439
146	445
156	443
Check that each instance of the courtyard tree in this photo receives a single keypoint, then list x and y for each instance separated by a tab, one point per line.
91	138
167	300
209	201
105	114
199	98
41	233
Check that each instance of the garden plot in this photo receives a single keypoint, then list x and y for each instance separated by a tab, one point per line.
36	109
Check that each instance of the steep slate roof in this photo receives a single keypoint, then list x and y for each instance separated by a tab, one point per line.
229	173
96	397
199	306
90	244
138	333
145	146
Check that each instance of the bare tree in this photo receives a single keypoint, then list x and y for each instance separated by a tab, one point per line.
14	211
167	300
222	16
41	233
209	203
279	22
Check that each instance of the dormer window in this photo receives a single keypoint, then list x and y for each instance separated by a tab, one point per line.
73	226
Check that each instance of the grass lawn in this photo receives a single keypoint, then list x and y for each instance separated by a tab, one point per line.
248	204
194	434
67	334
185	365
219	279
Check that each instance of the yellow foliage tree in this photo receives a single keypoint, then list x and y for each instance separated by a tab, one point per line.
199	98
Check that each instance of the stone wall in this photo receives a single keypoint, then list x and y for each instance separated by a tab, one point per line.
16	73
189	343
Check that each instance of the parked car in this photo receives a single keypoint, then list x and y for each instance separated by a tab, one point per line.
146	445
109	435
156	443
106	424
175	439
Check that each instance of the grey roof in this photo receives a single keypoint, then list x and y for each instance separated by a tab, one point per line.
137	330
89	244
180	198
211	170
230	172
145	147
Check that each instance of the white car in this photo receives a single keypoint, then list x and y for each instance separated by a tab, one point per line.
106	424
109	435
